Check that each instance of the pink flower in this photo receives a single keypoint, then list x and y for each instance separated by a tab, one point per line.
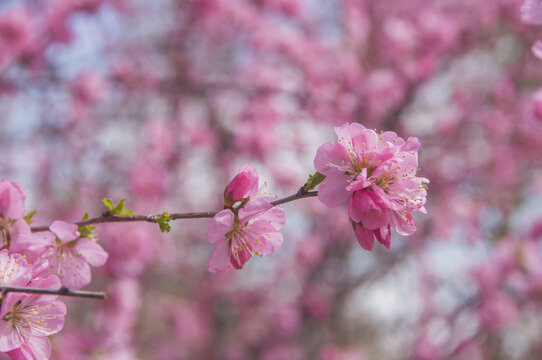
11	201
376	175
242	186
69	255
253	229
27	320
14	270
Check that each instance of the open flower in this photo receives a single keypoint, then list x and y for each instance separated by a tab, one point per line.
27	319
11	210
376	175
251	229
69	255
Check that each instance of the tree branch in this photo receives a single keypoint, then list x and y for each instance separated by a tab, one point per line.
62	292
107	218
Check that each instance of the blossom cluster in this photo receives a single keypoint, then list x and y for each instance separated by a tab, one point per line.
375	174
50	260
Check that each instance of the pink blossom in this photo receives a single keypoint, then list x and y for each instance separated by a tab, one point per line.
69	255
242	186
11	201
376	175
27	320
253	229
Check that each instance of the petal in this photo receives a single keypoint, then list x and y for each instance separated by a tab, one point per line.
9	339
273	215
219	258
264	238
347	132
65	231
412	144
383	235
332	191
74	272
365	237
255	207
536	49
37	347
403	224
14	269
328	156
220	225
11	200
93	253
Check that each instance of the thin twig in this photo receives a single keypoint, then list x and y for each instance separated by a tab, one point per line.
62	291
107	218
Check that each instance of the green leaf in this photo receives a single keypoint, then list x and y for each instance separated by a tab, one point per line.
85	217
163	222
117	209
313	181
108	203
86	230
28	217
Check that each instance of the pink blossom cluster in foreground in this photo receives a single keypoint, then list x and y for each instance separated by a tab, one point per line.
48	260
248	226
375	174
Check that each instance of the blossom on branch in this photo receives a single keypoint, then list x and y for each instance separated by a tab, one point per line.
27	319
375	174
69	254
250	226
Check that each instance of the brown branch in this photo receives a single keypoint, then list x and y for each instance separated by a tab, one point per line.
62	292
107	218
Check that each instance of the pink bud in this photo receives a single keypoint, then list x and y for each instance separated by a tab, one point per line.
243	185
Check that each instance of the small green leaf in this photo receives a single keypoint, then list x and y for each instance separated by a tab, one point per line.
28	217
85	217
86	230
163	222
313	181
125	212
117	209
108	203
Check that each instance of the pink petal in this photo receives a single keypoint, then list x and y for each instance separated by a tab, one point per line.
9	339
74	272
261	209
93	253
264	237
255	207
332	191
11	200
34	348
220	225
403	224
412	144
383	235
536	49
347	132
365	237
14	269
219	258
65	231
329	156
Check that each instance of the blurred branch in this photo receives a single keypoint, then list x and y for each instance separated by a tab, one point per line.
62	291
108	218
